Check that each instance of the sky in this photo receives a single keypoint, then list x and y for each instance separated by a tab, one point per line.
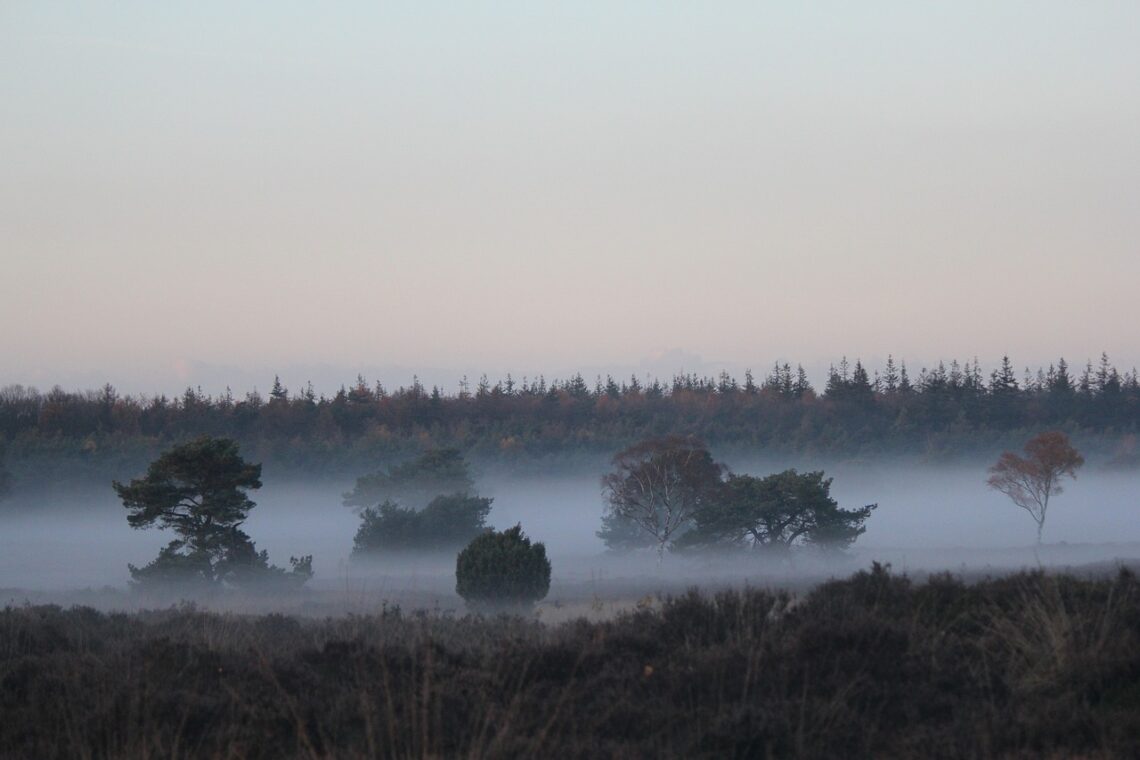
215	192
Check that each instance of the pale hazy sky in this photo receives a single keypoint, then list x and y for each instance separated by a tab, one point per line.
251	187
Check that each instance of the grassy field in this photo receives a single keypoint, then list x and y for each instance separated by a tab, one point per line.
1027	665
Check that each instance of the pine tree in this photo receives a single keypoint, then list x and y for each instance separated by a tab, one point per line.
1085	384
199	491
749	383
905	388
279	394
1003	381
891	376
802	386
612	389
860	386
1058	380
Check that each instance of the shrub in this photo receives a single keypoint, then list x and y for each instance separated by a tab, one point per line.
448	522
502	569
1031	665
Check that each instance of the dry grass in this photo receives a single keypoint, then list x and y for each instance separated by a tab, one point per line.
875	665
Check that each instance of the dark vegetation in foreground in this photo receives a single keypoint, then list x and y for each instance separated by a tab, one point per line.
1029	665
938	412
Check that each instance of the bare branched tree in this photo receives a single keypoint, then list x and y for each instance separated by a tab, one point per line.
659	485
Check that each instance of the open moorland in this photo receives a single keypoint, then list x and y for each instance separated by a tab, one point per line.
1026	665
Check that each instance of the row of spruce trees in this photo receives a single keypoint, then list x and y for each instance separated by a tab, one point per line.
856	411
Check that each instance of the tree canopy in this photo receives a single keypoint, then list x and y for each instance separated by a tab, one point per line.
669	493
1031	480
199	490
778	511
658	486
426	503
449	521
946	408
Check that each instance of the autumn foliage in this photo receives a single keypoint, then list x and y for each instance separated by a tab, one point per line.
1029	481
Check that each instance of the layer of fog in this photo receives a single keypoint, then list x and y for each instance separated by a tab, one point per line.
929	518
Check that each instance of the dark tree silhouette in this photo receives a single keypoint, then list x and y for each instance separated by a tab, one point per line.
199	490
447	522
778	511
946	409
502	569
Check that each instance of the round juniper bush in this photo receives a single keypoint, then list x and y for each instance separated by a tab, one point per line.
502	568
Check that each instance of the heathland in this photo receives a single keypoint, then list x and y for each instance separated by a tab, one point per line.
1029	665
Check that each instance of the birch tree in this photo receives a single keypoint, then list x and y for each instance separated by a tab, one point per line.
658	486
1031	480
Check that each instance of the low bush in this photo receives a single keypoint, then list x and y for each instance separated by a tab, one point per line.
873	666
502	569
446	523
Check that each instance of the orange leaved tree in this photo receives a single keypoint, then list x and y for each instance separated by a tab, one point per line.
1029	481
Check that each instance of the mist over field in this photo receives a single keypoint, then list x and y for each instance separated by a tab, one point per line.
929	518
557	296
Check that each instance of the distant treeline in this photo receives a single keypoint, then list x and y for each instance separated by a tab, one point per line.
858	412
